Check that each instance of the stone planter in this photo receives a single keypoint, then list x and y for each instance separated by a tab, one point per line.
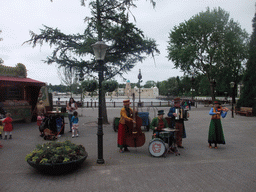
58	168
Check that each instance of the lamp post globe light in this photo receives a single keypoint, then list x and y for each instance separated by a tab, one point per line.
232	85
99	49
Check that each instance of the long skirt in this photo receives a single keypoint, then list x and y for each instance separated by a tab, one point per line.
122	134
215	134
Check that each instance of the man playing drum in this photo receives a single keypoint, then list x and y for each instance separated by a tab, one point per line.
158	124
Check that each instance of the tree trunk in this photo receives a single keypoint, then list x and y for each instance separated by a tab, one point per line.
212	92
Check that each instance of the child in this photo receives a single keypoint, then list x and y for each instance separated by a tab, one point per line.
59	123
40	119
74	121
8	126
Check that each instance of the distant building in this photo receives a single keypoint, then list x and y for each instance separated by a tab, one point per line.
152	92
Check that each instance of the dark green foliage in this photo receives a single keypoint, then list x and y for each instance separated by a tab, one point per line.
56	152
109	23
248	96
128	45
90	85
58	88
209	44
109	86
149	84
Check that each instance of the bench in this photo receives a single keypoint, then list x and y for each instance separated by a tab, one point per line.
245	111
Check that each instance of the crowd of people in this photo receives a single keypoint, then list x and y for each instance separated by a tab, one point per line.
175	120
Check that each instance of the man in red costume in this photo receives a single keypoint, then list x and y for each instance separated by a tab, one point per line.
123	131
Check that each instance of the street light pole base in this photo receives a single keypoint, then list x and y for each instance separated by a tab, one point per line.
100	161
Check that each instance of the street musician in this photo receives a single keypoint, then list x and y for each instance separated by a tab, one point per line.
158	124
177	114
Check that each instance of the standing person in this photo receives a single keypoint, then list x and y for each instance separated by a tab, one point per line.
71	107
40	111
40	108
215	134
189	104
123	131
178	119
75	125
8	126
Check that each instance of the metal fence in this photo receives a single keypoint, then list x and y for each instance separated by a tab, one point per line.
95	104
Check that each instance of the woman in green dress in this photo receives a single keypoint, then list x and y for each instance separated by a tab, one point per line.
216	134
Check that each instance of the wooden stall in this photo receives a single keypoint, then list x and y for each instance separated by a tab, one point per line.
18	95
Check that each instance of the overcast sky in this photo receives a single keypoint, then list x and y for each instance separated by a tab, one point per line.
18	17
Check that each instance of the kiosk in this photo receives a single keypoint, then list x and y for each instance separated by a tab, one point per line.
18	94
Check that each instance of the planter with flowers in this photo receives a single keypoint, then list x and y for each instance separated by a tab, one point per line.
57	157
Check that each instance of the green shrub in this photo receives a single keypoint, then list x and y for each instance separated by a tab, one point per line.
56	152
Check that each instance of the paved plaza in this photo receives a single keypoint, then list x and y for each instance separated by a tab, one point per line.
231	167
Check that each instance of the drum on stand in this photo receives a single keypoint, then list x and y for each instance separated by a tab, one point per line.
157	147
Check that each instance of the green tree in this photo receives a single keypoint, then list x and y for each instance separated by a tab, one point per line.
248	95
58	88
207	44
109	22
162	87
150	84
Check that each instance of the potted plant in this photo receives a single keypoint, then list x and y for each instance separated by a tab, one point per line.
57	157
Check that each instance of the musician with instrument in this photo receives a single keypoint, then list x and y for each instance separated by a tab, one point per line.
158	124
177	113
216	134
125	115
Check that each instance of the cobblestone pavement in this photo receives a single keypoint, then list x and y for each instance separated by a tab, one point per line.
231	167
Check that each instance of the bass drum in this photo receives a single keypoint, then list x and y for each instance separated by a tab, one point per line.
157	147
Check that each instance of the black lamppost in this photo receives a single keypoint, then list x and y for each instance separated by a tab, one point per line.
192	88
99	49
232	85
139	77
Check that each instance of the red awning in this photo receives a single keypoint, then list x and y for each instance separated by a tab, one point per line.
16	80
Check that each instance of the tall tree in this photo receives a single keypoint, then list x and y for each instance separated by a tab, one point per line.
248	95
208	43
110	20
68	77
150	84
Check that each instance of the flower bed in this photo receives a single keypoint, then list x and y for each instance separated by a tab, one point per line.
57	157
